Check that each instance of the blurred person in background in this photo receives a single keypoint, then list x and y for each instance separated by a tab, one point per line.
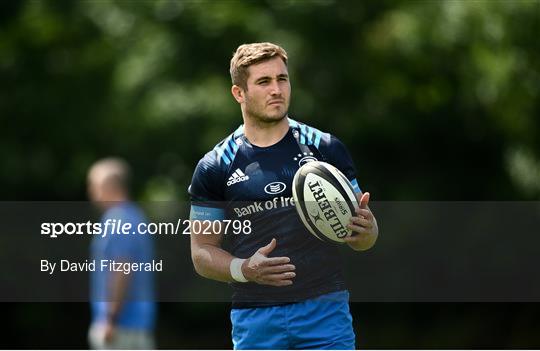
123	306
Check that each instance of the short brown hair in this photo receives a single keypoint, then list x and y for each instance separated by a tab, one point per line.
249	54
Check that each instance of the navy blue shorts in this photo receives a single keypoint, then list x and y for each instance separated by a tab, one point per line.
320	323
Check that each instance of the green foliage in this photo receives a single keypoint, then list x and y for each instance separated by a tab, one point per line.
435	99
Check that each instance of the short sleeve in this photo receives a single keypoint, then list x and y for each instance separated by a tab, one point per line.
206	182
338	155
206	191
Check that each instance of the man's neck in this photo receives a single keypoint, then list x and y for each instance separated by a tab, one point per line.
265	134
114	200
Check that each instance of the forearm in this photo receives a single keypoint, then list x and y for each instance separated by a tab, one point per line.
212	262
117	293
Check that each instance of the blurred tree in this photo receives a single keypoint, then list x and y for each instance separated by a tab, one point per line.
436	99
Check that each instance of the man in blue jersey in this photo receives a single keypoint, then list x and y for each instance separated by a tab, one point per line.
123	307
288	287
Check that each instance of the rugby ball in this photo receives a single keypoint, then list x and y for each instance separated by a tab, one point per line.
325	201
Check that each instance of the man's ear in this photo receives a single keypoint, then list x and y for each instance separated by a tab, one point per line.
238	93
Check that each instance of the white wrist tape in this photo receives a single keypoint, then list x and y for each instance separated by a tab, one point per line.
236	270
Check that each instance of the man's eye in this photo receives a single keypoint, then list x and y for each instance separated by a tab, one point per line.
262	82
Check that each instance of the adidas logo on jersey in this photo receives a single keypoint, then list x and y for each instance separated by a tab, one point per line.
237	177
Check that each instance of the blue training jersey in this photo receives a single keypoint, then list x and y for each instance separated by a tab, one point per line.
241	181
139	308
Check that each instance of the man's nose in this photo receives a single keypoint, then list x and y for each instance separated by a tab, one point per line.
275	89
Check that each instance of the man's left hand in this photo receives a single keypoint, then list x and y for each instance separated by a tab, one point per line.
363	225
109	332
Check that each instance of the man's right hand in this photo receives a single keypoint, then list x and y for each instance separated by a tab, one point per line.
261	269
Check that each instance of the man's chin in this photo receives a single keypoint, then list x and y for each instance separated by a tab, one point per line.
273	118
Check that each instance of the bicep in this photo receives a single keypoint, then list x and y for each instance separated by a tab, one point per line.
202	232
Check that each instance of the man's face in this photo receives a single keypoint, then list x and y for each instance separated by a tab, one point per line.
100	191
268	91
95	187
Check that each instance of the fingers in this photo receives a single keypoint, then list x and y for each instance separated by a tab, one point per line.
350	239
278	275
273	261
281	279
362	222
279	269
357	229
276	271
353	240
364	213
265	250
364	200
281	283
